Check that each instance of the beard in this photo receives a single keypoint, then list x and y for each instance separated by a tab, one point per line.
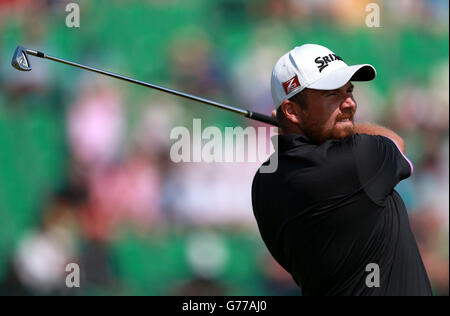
318	134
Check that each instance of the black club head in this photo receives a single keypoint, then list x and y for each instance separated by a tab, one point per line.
20	59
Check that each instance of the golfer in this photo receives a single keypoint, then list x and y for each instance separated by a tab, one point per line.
329	214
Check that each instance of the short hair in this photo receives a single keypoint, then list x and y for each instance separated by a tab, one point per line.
300	99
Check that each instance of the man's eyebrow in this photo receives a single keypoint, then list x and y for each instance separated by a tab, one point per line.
329	91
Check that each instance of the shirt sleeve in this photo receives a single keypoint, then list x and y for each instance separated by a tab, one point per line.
380	165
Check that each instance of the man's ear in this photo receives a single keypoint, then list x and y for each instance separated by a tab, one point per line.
291	111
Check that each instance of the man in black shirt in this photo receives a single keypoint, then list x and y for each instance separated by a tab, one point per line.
329	214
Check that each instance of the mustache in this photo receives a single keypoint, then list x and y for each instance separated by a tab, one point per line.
344	117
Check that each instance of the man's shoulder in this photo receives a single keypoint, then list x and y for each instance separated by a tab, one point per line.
333	153
355	142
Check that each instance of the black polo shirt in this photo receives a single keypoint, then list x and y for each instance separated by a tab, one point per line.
330	210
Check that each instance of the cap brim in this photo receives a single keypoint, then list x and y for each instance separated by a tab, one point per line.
341	76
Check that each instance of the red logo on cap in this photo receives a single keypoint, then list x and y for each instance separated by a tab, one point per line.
291	84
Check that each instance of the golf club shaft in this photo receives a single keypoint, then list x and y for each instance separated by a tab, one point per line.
252	115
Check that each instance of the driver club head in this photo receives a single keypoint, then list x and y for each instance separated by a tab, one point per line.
20	59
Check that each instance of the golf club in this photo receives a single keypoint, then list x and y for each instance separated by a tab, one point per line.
21	62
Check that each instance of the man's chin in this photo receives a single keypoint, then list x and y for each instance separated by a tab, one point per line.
343	132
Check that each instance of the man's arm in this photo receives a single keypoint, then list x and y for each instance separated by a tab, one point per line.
372	129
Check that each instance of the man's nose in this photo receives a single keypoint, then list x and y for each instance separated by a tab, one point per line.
348	104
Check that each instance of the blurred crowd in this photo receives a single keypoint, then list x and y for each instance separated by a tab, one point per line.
121	209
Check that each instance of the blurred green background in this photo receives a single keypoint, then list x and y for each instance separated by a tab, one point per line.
85	174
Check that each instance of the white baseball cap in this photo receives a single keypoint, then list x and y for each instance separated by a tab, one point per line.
315	67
